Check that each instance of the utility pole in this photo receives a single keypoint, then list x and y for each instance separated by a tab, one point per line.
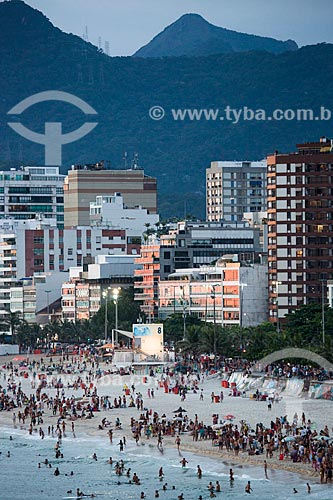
323	310
214	315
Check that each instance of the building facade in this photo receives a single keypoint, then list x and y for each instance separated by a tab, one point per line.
111	212
228	293
235	187
146	279
300	226
85	292
32	247
30	191
197	244
190	245
84	183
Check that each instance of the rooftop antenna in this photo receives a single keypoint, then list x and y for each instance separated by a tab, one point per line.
86	37
100	42
107	48
135	162
125	160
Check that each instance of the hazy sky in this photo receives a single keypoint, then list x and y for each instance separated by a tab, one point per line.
129	24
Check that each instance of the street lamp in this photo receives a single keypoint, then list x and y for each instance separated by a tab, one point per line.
48	304
184	311
105	295
214	313
115	296
241	296
323	311
277	283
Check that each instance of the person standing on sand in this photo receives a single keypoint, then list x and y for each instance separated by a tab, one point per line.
178	443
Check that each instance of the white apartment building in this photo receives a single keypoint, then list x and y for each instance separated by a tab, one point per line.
31	247
111	211
235	187
29	191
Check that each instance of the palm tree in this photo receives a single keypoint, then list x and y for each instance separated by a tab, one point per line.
11	323
212	340
190	344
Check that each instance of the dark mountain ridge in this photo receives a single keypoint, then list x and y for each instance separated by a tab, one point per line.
35	56
191	35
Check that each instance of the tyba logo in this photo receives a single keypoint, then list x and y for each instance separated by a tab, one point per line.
53	138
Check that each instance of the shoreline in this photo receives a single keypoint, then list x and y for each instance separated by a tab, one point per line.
162	403
203	449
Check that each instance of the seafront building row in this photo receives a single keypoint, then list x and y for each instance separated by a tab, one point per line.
265	248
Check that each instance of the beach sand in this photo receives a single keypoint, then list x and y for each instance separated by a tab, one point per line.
251	411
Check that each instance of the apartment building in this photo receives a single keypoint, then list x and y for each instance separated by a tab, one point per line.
30	191
228	293
194	244
235	187
111	212
31	247
84	182
191	245
300	226
85	291
147	277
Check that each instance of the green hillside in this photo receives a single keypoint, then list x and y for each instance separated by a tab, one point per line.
35	56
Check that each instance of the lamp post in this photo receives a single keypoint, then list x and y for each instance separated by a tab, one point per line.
277	283
241	296
115	296
323	311
184	311
214	315
105	295
48	304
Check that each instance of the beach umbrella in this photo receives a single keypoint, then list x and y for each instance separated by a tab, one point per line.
178	419
288	439
229	417
324	438
180	410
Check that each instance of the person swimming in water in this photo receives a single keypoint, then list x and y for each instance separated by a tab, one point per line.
184	462
248	488
199	472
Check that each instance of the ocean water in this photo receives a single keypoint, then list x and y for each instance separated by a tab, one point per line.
20	477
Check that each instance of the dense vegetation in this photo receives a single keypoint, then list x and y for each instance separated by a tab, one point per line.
35	56
302	329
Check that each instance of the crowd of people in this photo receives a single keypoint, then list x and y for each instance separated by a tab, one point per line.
295	440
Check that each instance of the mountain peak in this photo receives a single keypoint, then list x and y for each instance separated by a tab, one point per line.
192	35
